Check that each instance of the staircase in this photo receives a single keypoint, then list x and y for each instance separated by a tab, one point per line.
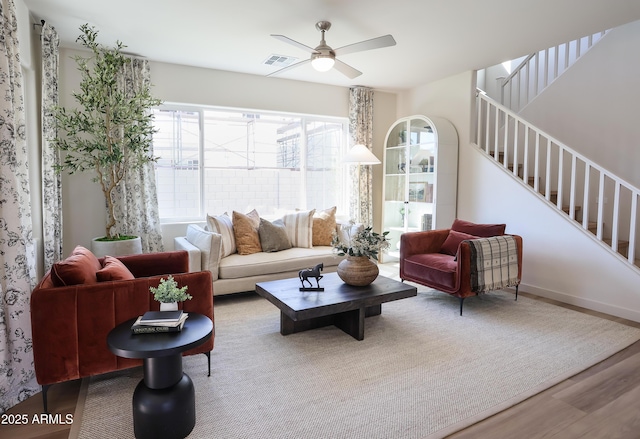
538	70
603	205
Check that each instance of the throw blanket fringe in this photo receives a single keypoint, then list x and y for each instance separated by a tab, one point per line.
494	263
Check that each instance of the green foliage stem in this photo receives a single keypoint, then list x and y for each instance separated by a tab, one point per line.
364	243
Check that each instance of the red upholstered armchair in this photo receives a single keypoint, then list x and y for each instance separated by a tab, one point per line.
442	259
82	298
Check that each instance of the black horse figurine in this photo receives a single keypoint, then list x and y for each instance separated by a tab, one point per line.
308	273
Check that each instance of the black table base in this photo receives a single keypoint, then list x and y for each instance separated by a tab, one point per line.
164	402
164	413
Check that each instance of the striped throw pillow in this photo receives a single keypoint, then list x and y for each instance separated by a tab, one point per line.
223	225
299	227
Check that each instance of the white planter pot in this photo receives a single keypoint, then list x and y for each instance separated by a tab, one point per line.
173	306
116	248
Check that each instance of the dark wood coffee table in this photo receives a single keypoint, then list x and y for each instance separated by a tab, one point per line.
164	401
342	305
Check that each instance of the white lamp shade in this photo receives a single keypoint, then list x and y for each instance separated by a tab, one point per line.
322	63
361	155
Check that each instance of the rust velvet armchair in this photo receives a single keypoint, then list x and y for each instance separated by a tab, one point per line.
444	259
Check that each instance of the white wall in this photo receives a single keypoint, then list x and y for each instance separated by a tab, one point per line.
83	201
593	107
560	261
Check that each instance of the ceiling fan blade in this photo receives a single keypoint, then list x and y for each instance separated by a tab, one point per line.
374	43
284	69
294	43
346	69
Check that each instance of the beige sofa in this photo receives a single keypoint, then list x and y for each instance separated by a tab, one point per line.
238	273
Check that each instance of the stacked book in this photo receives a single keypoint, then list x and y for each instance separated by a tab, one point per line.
159	321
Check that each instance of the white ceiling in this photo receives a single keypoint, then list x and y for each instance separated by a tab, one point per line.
435	38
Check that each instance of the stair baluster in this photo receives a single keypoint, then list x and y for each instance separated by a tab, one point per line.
560	176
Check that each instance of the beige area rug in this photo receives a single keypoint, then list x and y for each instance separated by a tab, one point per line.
422	371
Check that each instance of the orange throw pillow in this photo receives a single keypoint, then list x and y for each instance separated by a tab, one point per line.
113	269
324	226
245	230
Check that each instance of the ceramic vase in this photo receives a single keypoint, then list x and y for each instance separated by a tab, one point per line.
357	270
172	306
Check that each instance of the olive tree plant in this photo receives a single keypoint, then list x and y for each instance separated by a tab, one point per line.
110	130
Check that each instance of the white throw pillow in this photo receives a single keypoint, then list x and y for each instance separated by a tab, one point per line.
209	245
299	227
223	225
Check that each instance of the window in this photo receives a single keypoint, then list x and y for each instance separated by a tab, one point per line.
219	160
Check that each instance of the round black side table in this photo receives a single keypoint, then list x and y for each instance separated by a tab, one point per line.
164	400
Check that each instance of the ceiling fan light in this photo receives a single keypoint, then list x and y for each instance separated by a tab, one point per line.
322	63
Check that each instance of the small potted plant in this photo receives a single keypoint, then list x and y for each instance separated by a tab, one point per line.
358	269
168	294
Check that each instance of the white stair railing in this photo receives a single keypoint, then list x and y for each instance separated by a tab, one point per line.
540	69
563	177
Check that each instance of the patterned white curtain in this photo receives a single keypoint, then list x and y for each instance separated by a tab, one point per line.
17	271
51	180
136	199
361	132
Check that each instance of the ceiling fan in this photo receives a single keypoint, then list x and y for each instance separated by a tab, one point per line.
323	57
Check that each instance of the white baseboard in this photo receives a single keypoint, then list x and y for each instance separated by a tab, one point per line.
593	305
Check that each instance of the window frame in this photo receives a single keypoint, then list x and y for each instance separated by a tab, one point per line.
304	118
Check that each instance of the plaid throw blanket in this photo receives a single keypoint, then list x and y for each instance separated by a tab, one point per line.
494	263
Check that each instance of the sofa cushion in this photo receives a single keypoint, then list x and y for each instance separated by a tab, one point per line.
293	259
273	236
79	268
435	268
223	225
245	229
479	230
113	269
299	227
207	244
451	244
324	226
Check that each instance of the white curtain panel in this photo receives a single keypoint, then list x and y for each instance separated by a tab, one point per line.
51	180
17	279
136	198
361	132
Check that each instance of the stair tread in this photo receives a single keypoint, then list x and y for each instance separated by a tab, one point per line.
591	225
621	242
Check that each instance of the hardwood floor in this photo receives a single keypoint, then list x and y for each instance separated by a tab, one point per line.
62	400
600	402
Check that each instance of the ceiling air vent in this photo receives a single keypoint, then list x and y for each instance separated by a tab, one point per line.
280	60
